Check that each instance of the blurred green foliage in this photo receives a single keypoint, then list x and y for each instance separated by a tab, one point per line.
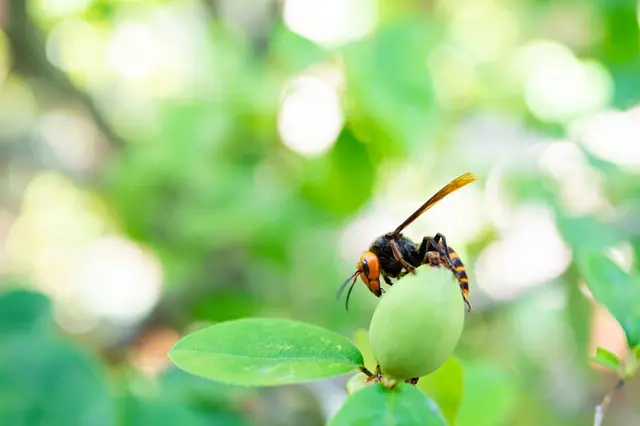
377	405
186	158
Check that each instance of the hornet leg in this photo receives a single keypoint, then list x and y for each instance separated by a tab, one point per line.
396	254
439	237
431	244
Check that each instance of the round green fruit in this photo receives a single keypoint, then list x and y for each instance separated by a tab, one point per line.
417	323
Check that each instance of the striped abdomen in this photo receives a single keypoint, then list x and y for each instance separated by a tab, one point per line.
459	272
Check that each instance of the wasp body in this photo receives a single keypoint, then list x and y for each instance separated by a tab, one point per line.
393	255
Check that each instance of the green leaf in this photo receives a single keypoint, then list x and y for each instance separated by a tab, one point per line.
23	311
180	398
265	352
147	411
489	397
618	291
637	352
324	178
294	52
43	381
606	359
587	233
404	405
445	386
390	91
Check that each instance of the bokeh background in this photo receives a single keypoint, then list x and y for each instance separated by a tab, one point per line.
167	164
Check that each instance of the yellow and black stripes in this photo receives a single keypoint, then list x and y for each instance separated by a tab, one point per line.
459	272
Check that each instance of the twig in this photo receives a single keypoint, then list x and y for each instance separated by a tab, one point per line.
30	59
602	408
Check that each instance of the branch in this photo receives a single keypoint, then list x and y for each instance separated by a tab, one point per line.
602	408
30	59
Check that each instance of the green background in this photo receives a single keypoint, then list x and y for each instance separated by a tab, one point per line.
166	165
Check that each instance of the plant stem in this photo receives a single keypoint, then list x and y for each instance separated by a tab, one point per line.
602	407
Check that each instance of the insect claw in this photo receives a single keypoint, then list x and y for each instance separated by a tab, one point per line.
467	303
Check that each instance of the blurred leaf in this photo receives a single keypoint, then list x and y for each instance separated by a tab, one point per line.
180	398
619	48
47	382
577	309
294	52
618	291
169	410
342	182
621	42
445	386
587	233
23	311
390	92
361	339
265	352
146	411
606	359
179	385
489	396
627	84
637	352
225	305
404	405
43	380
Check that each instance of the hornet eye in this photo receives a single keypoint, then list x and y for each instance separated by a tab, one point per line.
365	267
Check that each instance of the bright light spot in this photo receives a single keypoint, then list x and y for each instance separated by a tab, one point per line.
558	86
579	185
490	139
613	136
72	137
310	117
499	206
53	9
74	45
134	51
182	31
59	242
331	22
622	255
532	252
525	59
56	219
484	30
117	280
362	231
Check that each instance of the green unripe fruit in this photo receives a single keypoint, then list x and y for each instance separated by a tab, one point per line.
417	323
